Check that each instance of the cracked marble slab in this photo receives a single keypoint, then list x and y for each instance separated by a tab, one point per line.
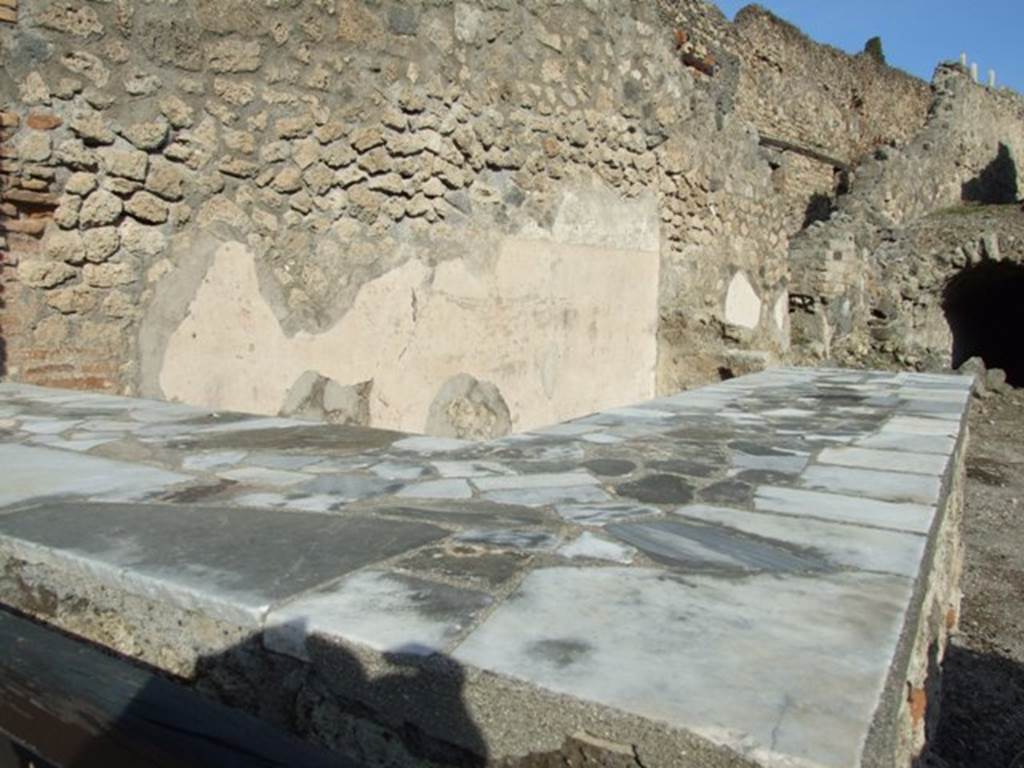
758	538
389	612
760	692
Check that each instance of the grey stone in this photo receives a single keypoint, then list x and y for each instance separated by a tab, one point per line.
975	368
467	408
697	547
438	489
316	396
732	491
194	556
403	20
601	513
593	547
349	487
610	467
468	564
871	483
100	208
100	244
510	539
39	473
691	627
657	489
388	612
849	546
995	381
848	509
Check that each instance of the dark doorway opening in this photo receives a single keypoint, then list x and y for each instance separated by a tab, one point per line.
984	306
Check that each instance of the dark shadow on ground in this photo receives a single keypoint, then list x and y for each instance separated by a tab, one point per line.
981	718
984	306
77	706
997	182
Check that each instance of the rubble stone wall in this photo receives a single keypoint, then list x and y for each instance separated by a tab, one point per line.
841	268
817	96
400	192
792	89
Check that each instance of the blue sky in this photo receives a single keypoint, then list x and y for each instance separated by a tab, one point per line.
916	34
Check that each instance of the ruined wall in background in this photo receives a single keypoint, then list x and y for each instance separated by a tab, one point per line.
838	269
817	96
227	194
795	90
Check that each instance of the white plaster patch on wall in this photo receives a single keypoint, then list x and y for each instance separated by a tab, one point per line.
742	304
561	329
600	217
781	310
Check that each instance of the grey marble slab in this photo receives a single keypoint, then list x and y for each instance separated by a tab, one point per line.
842	545
872	483
835	507
233	563
757	538
32	473
748	658
389	612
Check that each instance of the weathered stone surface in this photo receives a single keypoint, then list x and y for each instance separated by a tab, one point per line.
294	127
288	179
69	18
66	215
141	84
149	135
141	240
658	489
101	243
467	408
34	146
147	207
121	187
91	128
178	113
80	183
65	246
165	179
99	208
827	585
39	273
108	275
130	164
69	301
316	396
366	139
233	55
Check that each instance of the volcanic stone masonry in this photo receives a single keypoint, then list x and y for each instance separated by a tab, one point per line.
406	200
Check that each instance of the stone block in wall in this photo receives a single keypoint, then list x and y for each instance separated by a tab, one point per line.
9	11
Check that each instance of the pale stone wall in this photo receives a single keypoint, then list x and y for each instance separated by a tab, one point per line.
563	323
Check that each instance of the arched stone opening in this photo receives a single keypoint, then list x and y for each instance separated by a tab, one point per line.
984	306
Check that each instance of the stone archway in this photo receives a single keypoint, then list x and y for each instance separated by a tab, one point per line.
984	306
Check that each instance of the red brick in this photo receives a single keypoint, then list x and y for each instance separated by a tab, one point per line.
29	226
32	198
918	699
43	121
